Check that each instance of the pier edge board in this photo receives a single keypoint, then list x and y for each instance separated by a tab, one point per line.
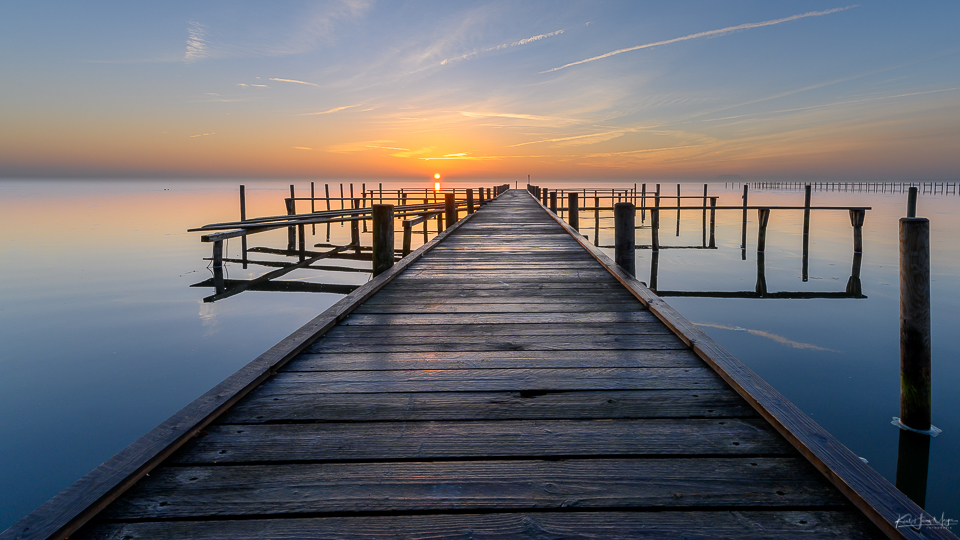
77	504
871	493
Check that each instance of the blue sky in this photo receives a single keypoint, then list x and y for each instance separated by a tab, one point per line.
361	88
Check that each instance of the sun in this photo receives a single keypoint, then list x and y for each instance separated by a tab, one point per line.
436	176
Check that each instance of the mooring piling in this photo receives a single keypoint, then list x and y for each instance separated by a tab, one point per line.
625	243
382	238
915	323
573	206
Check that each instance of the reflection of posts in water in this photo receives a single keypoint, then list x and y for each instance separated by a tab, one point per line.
853	284
913	459
382	238
625	232
218	266
678	209
805	258
763	217
573	210
743	233
302	241
856	220
713	222
654	267
761	275
915	323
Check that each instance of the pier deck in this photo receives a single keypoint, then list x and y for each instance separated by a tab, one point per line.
503	383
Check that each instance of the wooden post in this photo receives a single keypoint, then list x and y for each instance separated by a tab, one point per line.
407	237
480	199
301	242
326	191
743	232
355	227
806	209
763	215
218	266
912	202
243	217
713	222
382	238
915	323
291	234
450	208
655	223
470	209
856	220
761	287
573	207
654	268
805	258
624	222
313	207
553	201
643	202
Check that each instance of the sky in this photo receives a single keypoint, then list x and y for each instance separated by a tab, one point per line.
819	90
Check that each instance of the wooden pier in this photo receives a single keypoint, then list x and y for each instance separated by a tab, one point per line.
505	380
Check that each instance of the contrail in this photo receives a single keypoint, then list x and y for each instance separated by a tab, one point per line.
708	33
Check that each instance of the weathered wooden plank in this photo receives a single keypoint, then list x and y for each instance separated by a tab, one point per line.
467	330
500	307
499	318
387	441
499	343
177	492
655	525
347	361
552	296
491	380
264	407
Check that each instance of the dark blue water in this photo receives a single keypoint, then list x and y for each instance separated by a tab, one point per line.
104	337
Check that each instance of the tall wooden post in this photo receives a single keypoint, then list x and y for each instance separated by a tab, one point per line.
407	237
480	199
450	208
713	222
355	227
856	220
382	238
655	223
291	234
553	201
743	233
624	223
912	202
243	217
915	323
763	215
806	209
573	206
313	207
470	209
643	202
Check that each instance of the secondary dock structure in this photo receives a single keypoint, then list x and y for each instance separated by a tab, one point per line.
505	380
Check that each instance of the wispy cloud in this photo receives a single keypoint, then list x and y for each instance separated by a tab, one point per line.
202	135
333	110
779	339
708	33
196	42
245	85
471	114
294	81
302	148
500	47
460	155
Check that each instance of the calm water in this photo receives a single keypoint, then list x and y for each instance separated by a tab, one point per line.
104	337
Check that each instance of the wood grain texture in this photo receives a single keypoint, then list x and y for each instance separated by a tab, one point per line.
264	407
655	525
410	440
258	490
